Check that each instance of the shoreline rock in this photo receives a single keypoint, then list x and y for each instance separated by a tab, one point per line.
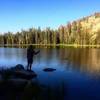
49	69
17	72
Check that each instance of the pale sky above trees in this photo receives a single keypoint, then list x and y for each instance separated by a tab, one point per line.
23	14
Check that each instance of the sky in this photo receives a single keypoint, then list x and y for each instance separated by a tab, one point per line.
16	15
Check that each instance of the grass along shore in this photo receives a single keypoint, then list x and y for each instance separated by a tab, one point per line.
52	45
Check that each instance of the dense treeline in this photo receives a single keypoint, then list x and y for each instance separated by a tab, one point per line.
72	33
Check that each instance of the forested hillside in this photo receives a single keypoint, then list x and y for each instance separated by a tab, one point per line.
83	31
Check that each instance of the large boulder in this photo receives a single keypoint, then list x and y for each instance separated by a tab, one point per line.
24	74
19	67
17	72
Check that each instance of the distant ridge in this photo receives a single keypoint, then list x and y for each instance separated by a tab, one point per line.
86	28
85	31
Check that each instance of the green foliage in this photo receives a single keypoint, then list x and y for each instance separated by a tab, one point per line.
72	33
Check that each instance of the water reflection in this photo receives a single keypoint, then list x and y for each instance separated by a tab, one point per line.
81	59
73	67
86	60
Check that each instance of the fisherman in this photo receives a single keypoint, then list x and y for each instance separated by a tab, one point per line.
30	54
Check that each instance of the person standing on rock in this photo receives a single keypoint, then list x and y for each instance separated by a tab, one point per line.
30	54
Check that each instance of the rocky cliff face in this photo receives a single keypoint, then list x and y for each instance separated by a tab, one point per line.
83	31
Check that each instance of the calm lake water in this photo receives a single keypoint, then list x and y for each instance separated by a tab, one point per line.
78	69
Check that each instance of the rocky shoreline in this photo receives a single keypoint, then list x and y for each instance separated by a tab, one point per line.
19	84
16	82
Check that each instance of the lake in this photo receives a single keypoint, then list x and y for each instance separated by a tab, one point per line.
78	69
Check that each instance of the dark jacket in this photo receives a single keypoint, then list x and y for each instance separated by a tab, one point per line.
30	54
